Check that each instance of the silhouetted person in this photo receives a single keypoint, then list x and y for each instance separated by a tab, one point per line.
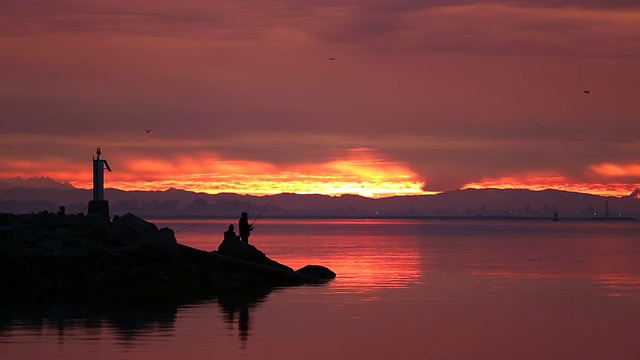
238	307
243	323
230	234
244	228
62	210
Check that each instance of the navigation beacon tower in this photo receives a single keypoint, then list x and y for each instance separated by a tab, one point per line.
99	205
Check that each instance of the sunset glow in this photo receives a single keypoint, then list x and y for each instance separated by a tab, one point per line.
360	172
617	170
417	98
539	183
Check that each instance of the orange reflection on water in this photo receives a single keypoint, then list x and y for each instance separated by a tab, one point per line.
362	263
618	285
362	269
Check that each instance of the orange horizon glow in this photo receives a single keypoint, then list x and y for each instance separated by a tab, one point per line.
361	171
352	179
555	182
323	184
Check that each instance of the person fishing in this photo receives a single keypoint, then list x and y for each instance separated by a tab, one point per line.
244	228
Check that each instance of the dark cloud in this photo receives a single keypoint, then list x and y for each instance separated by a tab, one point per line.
596	4
490	30
404	6
141	18
391	25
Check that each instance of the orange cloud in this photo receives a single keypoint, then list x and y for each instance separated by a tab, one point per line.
538	182
614	170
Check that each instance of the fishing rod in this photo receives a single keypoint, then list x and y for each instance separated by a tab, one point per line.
186	227
263	209
6	193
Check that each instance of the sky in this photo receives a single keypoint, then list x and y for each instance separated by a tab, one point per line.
376	98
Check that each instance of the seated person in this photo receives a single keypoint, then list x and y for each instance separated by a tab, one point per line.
230	234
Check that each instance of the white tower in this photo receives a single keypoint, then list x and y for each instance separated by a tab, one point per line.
99	205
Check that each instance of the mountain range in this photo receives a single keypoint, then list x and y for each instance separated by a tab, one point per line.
21	196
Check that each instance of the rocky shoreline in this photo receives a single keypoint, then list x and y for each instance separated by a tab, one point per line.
84	258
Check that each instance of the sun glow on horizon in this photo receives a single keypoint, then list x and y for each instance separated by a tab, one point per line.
360	172
264	186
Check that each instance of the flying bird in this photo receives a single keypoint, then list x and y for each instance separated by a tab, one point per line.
587	92
331	58
147	130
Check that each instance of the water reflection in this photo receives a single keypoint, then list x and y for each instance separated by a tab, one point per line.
126	321
130	325
616	285
621	286
241	304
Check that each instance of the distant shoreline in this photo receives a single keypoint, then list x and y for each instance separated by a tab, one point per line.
465	204
422	217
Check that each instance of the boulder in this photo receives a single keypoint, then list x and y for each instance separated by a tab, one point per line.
164	238
62	234
318	271
50	246
133	231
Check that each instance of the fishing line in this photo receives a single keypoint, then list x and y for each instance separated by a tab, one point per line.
263	209
186	227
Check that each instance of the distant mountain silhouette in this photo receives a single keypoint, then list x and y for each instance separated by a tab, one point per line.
458	203
34	183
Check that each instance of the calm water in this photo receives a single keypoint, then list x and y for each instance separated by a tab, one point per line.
406	289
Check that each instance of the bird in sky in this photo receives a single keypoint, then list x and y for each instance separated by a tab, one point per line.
587	92
147	130
331	58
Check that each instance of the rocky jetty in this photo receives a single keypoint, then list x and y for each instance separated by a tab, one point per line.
51	256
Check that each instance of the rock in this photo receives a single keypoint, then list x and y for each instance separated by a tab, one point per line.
133	231
86	258
318	271
247	252
130	229
164	238
50	246
79	248
12	248
61	234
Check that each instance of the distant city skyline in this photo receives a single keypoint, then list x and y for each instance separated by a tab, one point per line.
377	98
